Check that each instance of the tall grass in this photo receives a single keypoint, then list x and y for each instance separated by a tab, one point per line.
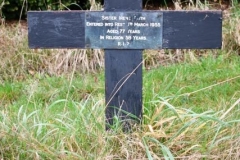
191	111
202	122
23	61
52	102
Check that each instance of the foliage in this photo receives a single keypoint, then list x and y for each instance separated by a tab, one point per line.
52	102
15	9
191	111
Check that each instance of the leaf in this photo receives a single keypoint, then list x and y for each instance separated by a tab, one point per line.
147	149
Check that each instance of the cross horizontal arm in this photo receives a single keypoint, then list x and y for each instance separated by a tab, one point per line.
56	29
180	29
192	29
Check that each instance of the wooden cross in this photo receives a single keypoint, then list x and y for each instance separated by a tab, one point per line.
124	30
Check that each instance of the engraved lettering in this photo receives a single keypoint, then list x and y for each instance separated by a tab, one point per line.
140	38
109	24
119	24
136	24
124	18
128	38
114	37
113	31
155	25
112	18
134	31
122	30
95	24
142	18
130	24
123	43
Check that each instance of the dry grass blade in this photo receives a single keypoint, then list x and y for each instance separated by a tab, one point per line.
230	109
209	87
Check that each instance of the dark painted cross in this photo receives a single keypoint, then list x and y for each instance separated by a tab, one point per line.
123	29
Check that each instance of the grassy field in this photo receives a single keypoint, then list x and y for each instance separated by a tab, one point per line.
52	102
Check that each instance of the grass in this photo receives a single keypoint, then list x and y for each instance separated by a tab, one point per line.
193	77
52	102
188	113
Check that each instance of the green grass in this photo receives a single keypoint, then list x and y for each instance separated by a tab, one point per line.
47	117
52	103
177	82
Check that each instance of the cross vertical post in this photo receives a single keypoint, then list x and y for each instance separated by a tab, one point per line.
124	30
123	66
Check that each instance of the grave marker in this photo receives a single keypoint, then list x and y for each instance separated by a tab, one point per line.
124	30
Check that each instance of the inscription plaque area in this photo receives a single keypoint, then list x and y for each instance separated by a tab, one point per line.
128	30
